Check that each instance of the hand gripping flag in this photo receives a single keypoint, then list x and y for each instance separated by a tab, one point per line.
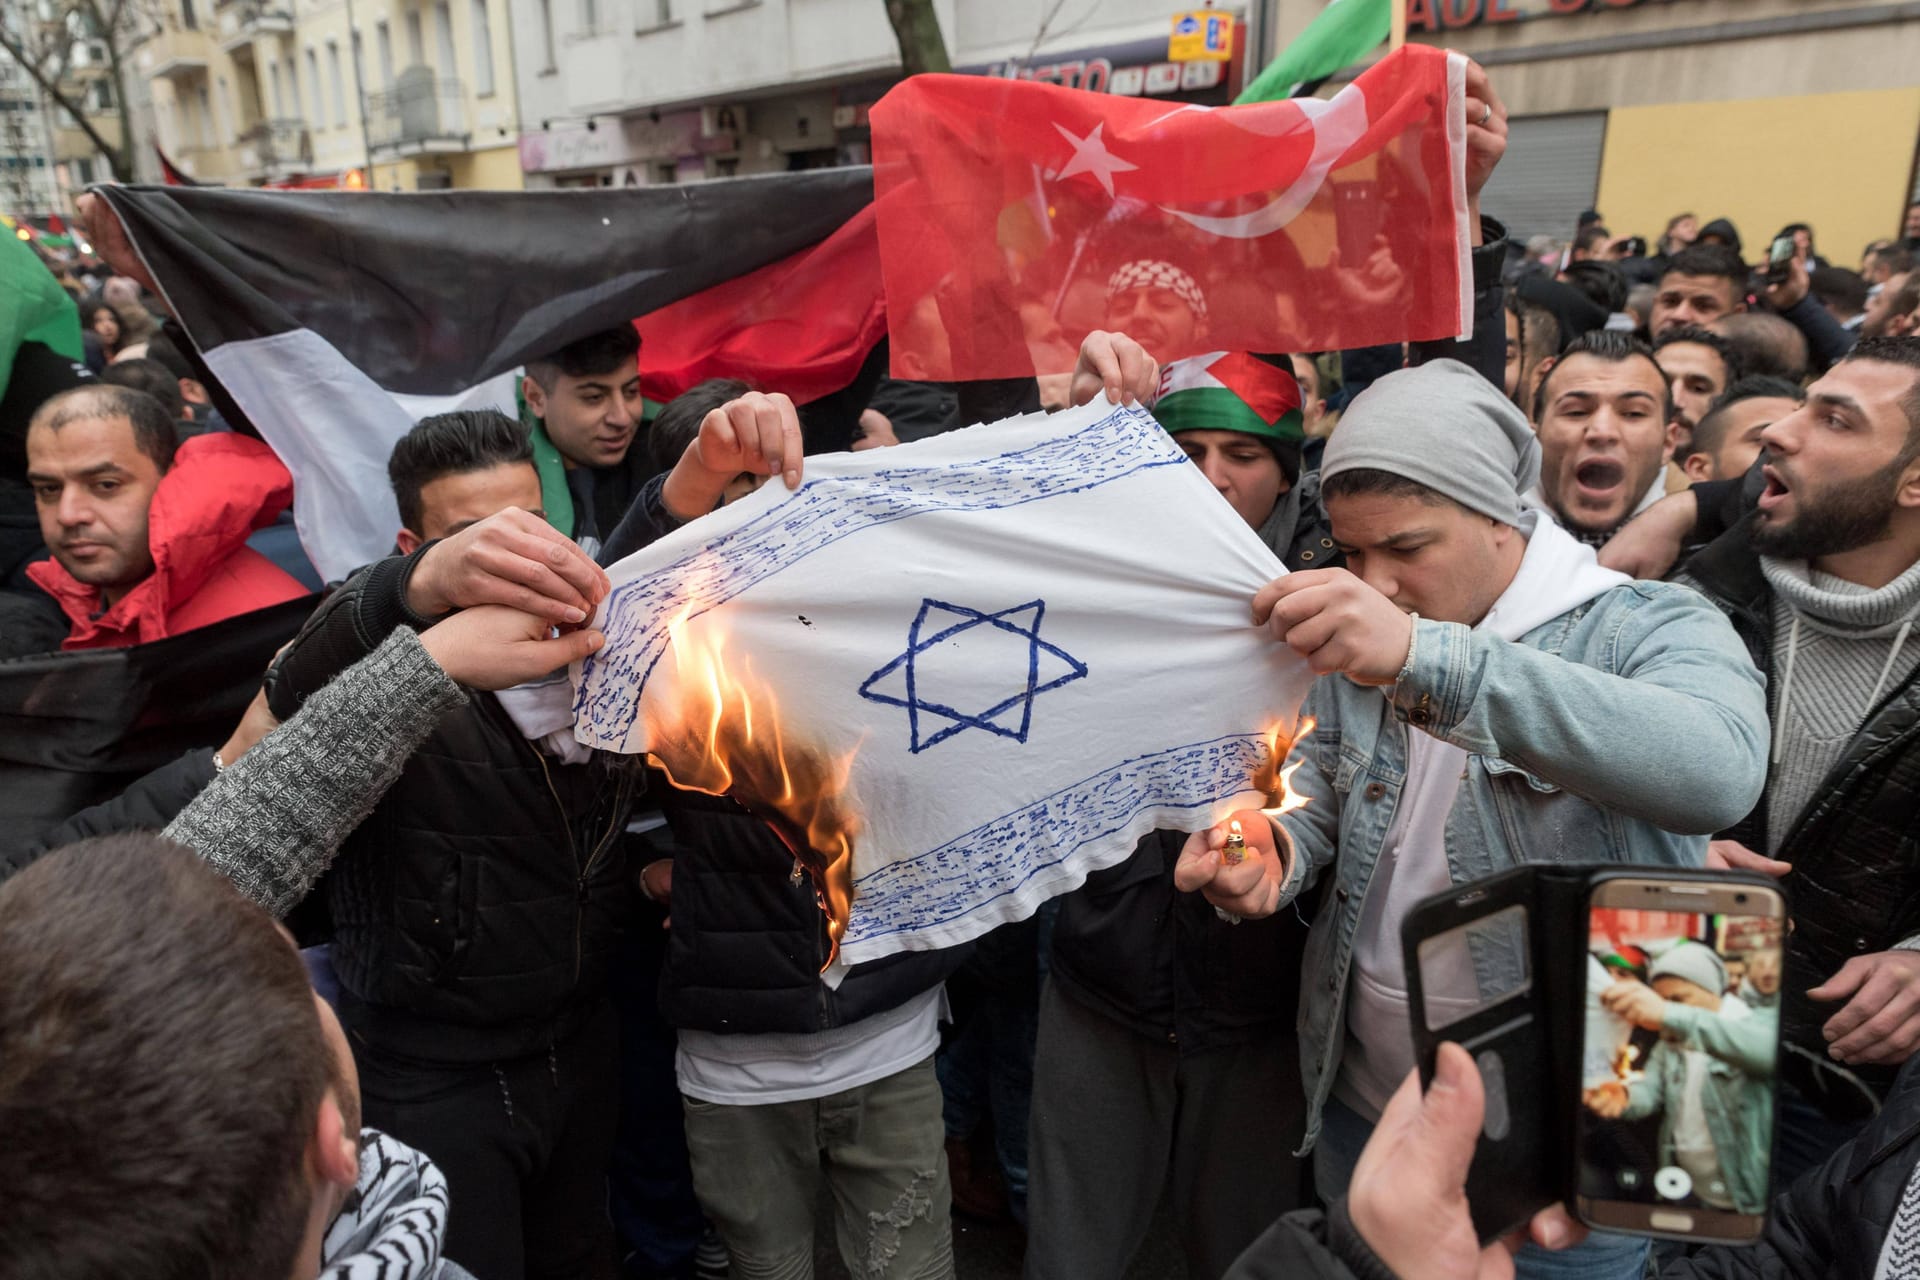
1016	217
957	676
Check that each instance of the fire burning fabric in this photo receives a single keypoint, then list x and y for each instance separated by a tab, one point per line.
957	676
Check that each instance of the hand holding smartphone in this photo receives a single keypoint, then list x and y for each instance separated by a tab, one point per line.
1626	1027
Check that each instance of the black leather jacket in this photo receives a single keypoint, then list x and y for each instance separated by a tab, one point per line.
1855	850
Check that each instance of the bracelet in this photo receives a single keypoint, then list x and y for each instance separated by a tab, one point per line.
219	765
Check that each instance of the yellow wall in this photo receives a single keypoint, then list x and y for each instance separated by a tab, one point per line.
496	169
1840	162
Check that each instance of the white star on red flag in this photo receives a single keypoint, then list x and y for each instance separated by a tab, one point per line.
1090	155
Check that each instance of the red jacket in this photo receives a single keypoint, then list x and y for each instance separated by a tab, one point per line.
219	490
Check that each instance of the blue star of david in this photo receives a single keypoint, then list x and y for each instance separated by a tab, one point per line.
964	669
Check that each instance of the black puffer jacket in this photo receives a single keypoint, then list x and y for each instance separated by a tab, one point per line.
475	908
1163	963
749	940
1855	851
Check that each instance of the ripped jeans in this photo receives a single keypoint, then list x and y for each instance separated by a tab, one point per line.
757	1171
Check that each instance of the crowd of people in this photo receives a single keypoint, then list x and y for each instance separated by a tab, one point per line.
379	984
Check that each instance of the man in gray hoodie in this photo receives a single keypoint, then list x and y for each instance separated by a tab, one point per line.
1490	696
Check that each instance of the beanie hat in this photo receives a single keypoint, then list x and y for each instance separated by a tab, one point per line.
1444	426
1693	962
1151	273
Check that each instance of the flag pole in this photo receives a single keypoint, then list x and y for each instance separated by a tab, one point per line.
1398	34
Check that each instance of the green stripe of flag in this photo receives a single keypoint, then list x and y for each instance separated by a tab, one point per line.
1345	32
33	307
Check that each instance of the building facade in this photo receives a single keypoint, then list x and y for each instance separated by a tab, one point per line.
27	185
46	155
312	94
641	92
1765	112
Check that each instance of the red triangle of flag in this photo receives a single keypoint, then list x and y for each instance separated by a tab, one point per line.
1269	391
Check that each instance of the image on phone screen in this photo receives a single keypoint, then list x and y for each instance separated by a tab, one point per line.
1680	1040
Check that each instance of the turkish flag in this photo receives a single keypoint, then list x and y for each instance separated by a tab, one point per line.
802	325
1016	217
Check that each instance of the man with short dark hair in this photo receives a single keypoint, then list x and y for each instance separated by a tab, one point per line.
1699	365
1885	262
586	400
1894	312
1499	704
1766	344
1822	582
149	536
1727	440
1701	284
176	1100
1842	292
152	377
1602	413
1533	339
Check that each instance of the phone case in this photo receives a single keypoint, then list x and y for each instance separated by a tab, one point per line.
1527	1042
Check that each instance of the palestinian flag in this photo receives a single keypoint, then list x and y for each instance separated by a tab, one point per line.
33	307
1345	32
1230	391
336	320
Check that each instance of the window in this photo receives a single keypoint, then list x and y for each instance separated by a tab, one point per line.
482	49
203	126
317	102
383	44
100	95
279	99
443	38
187	18
222	113
339	84
359	68
663	11
589	15
546	32
83	172
292	89
416	46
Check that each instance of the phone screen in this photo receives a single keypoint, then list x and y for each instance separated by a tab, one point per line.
1681	1038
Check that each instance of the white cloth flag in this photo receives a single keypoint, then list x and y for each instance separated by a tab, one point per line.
1018	648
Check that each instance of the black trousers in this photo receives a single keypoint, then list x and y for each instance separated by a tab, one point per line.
524	1145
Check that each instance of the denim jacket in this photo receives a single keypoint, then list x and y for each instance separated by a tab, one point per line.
1626	730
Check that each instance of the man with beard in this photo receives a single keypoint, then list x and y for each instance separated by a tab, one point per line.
1158	305
1602	413
1700	284
1822	582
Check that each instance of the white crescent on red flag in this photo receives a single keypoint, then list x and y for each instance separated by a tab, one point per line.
1008	211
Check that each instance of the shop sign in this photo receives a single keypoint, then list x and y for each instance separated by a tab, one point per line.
1201	35
1454	15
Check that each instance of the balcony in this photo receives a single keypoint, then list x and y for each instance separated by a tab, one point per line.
275	149
421	113
173	54
244	22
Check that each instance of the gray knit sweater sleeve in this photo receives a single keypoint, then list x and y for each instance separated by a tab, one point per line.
272	822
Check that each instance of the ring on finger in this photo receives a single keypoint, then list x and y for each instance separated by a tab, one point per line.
1486	114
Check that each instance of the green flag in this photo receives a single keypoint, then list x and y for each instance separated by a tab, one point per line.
1345	32
33	307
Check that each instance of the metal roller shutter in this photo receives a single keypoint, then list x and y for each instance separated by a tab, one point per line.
1551	172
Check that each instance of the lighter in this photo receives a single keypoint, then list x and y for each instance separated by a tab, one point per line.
1236	849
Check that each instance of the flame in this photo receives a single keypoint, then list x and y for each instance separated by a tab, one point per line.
1623	1063
1275	777
724	737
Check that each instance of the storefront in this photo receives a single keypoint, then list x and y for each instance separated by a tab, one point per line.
1762	111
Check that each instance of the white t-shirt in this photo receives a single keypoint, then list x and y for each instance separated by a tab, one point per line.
1693	1145
756	1069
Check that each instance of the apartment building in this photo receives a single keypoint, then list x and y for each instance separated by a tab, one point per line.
349	94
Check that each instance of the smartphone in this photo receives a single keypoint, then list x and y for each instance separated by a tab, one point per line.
1778	258
1673	1135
